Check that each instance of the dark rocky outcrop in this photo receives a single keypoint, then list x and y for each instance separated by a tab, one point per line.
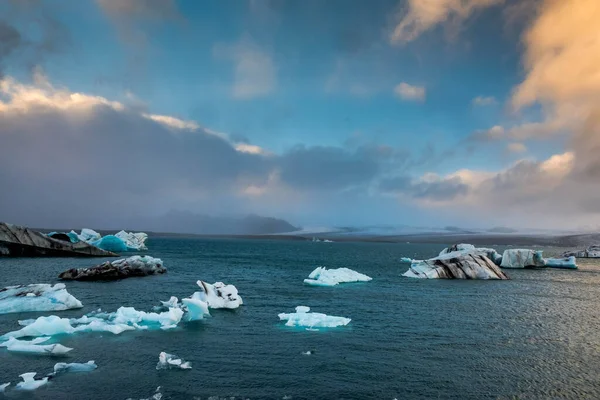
135	266
18	241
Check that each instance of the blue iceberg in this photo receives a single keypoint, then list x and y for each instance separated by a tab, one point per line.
567	262
110	243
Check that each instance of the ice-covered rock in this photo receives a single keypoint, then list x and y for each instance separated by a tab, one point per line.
566	262
169	361
522	258
456	265
322	276
124	319
592	251
133	241
36	297
75	367
3	387
303	317
33	346
219	295
118	269
30	383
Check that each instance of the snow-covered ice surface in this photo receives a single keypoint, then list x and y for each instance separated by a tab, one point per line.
566	262
303	317
171	361
36	297
33	346
30	383
322	276
75	367
124	319
521	258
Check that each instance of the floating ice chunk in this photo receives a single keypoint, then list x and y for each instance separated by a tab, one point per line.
522	258
302	317
4	386
133	241
308	353
43	326
110	243
322	276
171	303
75	367
406	260
118	269
167	361
89	235
219	295
36	297
30	383
455	265
197	308
130	316
23	346
566	262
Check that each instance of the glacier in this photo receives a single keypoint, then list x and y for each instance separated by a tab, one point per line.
134	266
36	297
30	383
522	258
304	318
170	361
33	346
74	367
462	264
322	276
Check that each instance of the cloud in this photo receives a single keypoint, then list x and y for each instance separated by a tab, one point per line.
516	147
423	15
255	73
429	187
410	92
484	101
496	132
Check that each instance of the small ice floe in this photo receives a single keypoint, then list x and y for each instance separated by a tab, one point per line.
456	265
74	367
124	319
308	353
118	269
322	276
303	317
33	346
36	297
30	383
171	361
3	387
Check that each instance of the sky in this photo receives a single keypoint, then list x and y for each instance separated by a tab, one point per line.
475	113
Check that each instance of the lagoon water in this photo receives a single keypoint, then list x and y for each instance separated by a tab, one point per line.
536	336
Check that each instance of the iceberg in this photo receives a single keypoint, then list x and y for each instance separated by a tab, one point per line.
119	269
74	367
303	317
33	346
592	251
463	264
110	243
522	258
133	241
321	276
30	383
196	308
3	386
170	361
566	262
219	295
89	235
36	297
492	254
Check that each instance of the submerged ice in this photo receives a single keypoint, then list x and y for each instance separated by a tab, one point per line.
36	297
303	317
322	276
171	361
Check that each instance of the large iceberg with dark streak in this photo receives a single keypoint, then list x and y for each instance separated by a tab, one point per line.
322	276
36	297
464	264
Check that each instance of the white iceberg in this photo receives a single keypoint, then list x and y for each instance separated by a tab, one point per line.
322	276
89	235
75	367
125	318
167	361
30	383
566	262
133	241
36	297
492	254
23	346
4	386
462	264
522	258
303	317
196	308
219	295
